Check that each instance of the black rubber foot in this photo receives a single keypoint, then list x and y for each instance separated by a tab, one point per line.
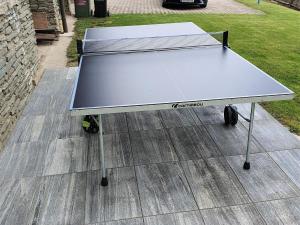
246	166
104	181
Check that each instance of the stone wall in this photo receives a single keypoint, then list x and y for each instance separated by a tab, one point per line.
295	3
18	62
67	7
291	3
51	7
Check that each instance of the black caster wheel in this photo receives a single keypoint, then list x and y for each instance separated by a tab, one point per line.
165	4
89	125
203	5
104	181
231	115
246	166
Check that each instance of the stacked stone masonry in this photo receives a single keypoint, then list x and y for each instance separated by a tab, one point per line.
18	62
292	3
51	8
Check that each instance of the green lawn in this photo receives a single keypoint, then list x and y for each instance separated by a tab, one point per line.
270	40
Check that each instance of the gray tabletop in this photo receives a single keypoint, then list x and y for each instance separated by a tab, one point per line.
141	31
164	77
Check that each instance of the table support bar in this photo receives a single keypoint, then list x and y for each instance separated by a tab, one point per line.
251	121
104	181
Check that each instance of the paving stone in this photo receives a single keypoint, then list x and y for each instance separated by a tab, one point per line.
285	211
44	200
42	128
232	140
54	75
23	160
71	126
163	189
10	210
214	184
234	215
41	105
187	218
118	200
289	162
193	143
265	180
151	146
72	73
58	88
135	221
260	112
144	120
273	136
117	151
66	156
179	118
210	114
114	123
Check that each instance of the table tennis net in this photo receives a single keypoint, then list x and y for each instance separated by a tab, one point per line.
92	46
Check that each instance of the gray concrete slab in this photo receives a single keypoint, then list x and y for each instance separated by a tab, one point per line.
234	215
265	180
120	201
193	143
187	218
214	184
285	211
164	189
152	146
232	140
289	162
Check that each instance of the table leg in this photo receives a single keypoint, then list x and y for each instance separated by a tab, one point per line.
247	163
104	181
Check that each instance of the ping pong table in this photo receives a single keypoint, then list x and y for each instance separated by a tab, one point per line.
165	66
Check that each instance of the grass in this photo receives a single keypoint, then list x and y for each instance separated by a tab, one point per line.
270	40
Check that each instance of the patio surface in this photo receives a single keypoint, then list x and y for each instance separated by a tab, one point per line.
166	167
155	6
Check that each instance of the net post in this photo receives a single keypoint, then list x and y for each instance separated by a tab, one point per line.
79	47
225	39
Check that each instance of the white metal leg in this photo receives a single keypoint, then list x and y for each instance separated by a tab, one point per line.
104	181
247	163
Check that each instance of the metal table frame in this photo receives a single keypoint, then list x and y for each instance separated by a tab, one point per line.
174	105
104	180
